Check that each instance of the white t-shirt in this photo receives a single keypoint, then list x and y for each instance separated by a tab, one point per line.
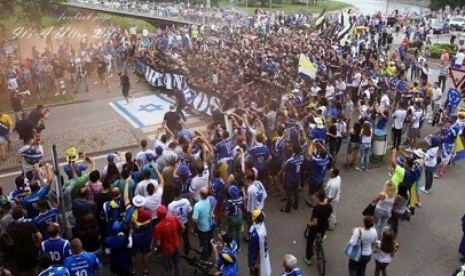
459	57
198	182
368	238
437	96
384	102
382	256
314	90
417	114
431	159
181	209
333	188
399	117
329	92
141	156
141	187
153	201
256	195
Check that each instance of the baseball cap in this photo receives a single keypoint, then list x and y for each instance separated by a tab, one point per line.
233	192
256	214
184	169
72	154
158	150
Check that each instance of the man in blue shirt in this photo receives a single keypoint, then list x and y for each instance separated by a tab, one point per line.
292	168
223	151
81	262
45	217
57	248
260	155
38	192
318	163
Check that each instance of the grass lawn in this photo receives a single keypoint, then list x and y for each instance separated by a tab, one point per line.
288	7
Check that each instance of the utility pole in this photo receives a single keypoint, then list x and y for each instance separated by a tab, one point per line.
387	7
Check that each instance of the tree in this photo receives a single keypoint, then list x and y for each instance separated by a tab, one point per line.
27	12
441	4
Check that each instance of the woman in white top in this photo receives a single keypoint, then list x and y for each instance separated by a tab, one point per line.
365	146
368	236
384	203
386	250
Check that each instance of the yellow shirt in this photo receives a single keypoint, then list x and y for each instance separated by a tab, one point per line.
6	119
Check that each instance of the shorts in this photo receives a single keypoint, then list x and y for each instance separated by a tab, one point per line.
353	146
413	133
315	185
142	248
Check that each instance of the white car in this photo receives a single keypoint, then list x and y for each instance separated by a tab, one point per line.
457	22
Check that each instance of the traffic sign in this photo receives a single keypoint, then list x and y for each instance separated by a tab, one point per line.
458	76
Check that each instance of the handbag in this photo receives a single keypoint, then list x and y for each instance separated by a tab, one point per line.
354	252
370	209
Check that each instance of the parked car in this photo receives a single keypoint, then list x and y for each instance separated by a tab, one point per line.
440	27
457	23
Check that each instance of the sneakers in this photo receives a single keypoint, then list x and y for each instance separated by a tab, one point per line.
423	190
308	261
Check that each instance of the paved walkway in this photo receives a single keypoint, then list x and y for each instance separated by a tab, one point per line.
93	138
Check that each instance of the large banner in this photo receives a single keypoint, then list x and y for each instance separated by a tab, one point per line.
201	101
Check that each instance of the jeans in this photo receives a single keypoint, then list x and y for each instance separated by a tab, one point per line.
365	152
442	82
358	268
171	261
291	191
204	242
429	177
397	137
381	220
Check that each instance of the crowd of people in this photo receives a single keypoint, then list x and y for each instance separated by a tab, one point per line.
278	132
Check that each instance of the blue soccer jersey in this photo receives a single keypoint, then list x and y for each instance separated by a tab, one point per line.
260	155
55	271
58	249
292	167
30	201
43	220
318	166
83	264
223	149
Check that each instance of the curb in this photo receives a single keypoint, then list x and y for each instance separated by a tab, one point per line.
12	169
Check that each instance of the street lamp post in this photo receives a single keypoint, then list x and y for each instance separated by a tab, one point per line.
387	7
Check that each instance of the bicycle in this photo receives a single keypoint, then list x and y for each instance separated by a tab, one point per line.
320	254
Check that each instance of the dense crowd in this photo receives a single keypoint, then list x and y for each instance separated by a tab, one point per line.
278	132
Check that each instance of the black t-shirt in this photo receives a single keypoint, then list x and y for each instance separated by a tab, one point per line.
22	232
172	118
322	212
24	129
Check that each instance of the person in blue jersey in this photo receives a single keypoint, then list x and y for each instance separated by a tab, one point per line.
223	152
82	262
234	210
39	190
260	156
258	255
218	191
47	269
292	169
224	253
290	266
318	131
45	217
449	136
182	178
318	162
75	166
55	246
118	245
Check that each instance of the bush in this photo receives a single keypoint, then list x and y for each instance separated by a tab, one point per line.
436	49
